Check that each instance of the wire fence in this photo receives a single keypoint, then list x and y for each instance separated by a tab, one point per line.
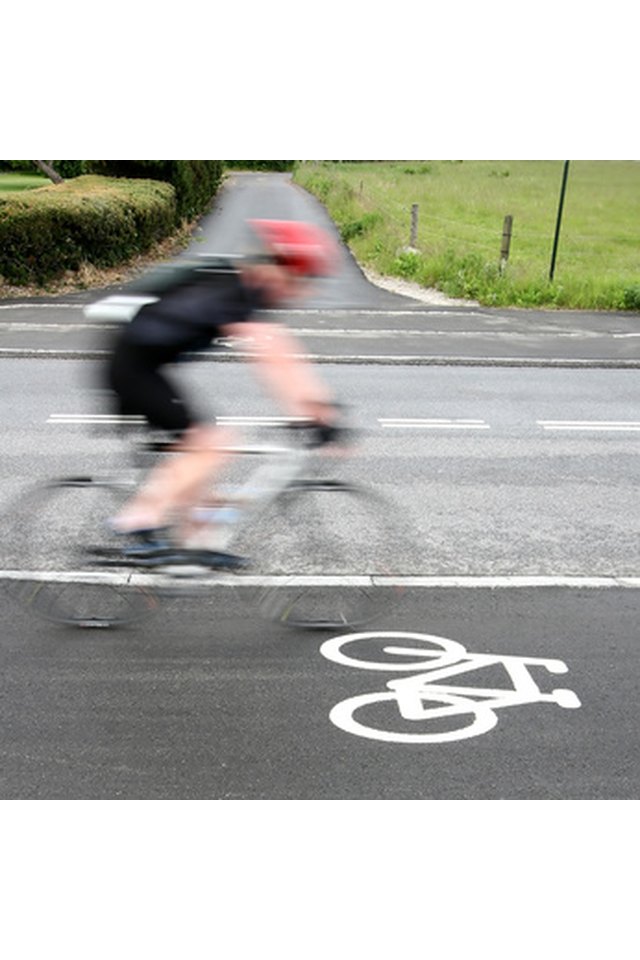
432	231
525	232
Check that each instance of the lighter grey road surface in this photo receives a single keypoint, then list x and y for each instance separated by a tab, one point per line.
501	471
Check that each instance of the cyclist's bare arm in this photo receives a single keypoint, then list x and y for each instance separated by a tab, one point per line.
290	378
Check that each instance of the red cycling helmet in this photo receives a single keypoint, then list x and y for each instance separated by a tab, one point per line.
303	248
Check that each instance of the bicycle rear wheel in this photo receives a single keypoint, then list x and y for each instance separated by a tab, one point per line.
47	533
326	550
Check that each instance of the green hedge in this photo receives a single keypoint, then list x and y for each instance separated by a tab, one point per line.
47	231
70	168
195	181
276	165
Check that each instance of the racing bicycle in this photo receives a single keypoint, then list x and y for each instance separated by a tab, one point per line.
321	547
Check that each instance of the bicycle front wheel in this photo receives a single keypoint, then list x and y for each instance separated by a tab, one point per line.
49	533
327	550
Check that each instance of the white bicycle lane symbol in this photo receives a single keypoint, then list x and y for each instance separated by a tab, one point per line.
423	698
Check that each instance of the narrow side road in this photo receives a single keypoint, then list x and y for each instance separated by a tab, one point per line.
347	319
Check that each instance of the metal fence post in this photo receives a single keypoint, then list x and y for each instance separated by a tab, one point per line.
565	174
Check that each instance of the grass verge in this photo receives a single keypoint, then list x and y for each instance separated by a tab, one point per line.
17	182
461	211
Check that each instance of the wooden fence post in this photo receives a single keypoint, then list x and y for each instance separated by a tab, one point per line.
413	240
506	242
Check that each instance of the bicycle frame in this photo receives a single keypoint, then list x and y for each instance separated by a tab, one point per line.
412	692
222	521
219	520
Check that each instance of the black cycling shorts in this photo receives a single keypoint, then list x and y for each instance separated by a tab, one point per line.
142	389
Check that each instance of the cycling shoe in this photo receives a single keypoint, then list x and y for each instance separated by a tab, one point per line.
147	544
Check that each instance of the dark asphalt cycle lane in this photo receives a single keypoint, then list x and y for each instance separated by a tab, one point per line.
208	702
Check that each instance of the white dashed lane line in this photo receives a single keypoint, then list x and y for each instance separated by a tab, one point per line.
600	426
590	425
433	424
388	423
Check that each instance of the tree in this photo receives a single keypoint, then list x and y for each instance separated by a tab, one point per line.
48	170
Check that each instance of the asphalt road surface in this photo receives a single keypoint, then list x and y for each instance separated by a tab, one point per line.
508	438
500	471
206	702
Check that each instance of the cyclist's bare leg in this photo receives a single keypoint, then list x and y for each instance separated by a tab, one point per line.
179	481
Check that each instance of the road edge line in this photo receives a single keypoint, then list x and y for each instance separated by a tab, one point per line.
125	578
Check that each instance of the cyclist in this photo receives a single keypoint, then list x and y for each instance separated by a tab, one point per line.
215	302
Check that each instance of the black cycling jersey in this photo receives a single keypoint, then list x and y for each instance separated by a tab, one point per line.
190	316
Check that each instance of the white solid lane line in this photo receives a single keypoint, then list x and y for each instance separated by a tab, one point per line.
353	333
128	578
42	306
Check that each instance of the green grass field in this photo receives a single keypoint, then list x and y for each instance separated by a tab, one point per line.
461	210
15	182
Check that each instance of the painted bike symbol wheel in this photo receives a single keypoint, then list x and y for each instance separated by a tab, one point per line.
482	718
410	652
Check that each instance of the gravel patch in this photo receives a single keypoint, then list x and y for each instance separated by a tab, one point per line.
408	289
